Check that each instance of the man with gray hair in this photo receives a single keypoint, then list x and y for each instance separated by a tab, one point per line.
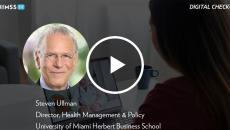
56	57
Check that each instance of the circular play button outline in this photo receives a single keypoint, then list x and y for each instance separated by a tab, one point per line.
119	38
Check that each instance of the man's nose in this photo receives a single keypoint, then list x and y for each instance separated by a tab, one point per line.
58	62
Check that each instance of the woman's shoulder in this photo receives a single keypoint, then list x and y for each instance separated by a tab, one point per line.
175	104
179	87
177	82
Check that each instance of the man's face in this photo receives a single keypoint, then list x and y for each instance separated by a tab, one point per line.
57	60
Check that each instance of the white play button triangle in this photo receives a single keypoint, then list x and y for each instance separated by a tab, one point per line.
115	64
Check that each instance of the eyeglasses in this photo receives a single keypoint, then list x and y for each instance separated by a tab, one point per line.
67	57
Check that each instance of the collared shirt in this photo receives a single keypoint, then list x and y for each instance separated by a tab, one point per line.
45	86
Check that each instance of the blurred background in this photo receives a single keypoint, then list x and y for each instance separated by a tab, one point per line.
93	19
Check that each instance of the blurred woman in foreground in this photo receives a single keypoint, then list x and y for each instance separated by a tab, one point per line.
196	42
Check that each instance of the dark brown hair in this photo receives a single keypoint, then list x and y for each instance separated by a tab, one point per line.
197	43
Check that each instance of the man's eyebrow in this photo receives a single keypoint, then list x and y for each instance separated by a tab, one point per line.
61	53
51	53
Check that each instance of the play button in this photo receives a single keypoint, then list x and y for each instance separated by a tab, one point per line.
115	64
111	60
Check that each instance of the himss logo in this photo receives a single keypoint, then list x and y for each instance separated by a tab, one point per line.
20	7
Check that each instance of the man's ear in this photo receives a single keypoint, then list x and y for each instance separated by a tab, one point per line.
76	58
37	59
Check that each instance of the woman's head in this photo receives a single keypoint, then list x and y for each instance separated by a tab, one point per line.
198	34
197	43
